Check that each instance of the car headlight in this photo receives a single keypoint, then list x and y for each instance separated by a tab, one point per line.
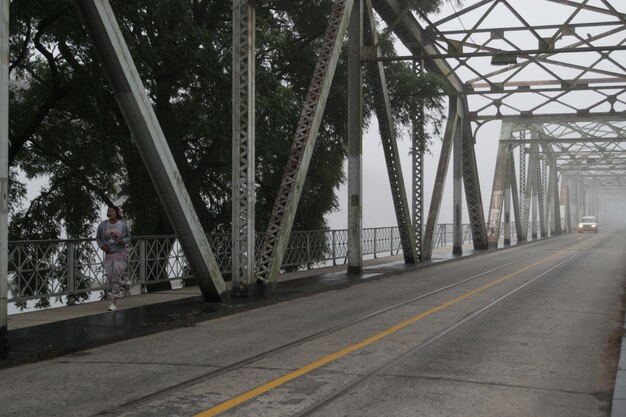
580	225
593	225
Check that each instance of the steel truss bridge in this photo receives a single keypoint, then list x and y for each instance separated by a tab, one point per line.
551	71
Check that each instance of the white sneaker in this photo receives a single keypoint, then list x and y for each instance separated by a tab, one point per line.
112	307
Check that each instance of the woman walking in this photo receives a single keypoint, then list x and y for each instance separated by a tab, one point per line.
112	236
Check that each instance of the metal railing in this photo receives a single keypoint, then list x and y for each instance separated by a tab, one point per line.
71	271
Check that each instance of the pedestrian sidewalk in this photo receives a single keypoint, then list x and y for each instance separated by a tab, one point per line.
58	331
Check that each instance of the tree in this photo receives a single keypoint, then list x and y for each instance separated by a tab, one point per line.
66	125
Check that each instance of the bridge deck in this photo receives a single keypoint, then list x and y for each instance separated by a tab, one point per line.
534	329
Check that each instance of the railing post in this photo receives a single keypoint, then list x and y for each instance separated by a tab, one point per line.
334	251
391	242
71	269
375	243
142	266
308	250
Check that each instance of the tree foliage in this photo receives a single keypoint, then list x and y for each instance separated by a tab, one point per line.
65	124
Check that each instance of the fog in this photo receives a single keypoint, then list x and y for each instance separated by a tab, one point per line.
612	212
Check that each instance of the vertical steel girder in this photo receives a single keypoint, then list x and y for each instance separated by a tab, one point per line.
115	58
523	190
377	80
553	211
417	159
573	202
497	193
507	205
457	189
473	195
442	169
541	193
283	213
515	198
355	138
581	199
243	131
554	175
4	168
533	179
550	214
564	203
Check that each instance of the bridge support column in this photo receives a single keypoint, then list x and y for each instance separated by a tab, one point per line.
4	169
243	145
541	193
471	182
556	206
515	198
564	204
115	58
534	188
419	139
524	189
574	206
507	204
457	191
355	136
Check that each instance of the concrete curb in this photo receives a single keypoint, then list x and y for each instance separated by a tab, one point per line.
619	392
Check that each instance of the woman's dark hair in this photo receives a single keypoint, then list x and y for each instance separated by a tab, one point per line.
118	212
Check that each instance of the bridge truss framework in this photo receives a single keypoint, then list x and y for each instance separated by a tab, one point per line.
555	79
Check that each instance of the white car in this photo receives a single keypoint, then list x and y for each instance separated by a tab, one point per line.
588	224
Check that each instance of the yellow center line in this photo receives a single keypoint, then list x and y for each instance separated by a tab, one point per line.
235	401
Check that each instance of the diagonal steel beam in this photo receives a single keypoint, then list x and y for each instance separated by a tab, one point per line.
497	194
284	211
115	58
378	82
440	178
